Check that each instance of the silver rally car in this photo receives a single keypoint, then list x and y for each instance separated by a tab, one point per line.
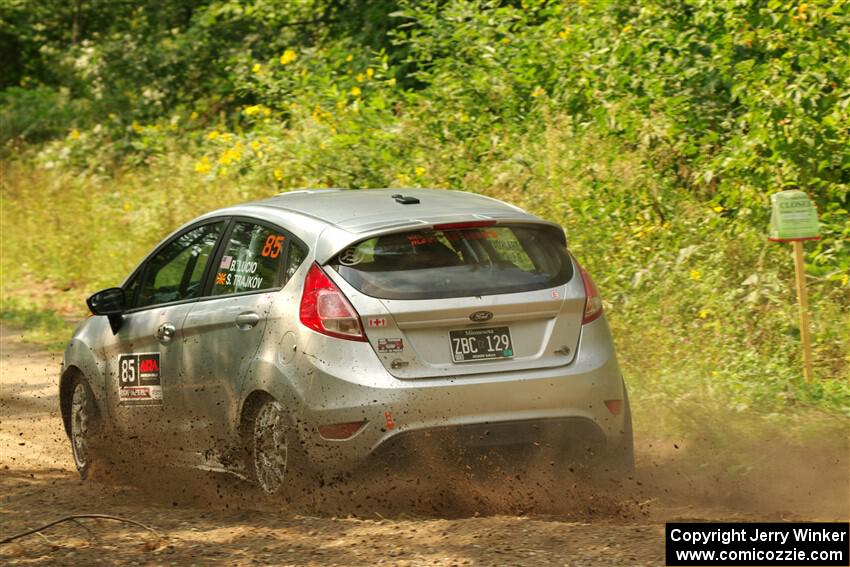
317	329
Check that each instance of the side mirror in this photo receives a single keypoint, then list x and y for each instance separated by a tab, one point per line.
109	301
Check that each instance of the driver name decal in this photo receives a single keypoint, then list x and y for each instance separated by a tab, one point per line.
239	273
139	379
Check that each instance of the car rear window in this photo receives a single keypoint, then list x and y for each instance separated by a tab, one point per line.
436	264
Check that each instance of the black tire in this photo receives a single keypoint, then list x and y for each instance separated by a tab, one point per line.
83	426
276	460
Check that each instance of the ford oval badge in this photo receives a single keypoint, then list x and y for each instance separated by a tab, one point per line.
481	316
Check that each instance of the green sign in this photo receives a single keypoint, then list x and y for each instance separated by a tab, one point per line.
793	217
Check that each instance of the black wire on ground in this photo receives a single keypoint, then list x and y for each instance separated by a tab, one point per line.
77	516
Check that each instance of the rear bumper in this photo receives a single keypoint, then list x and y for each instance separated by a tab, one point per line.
517	442
497	409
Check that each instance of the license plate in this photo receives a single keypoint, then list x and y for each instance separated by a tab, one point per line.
481	344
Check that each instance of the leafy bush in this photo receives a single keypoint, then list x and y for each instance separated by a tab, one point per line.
39	114
652	131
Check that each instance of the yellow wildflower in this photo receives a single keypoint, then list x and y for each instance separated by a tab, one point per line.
137	128
75	134
231	155
370	73
565	33
193	116
278	174
288	57
704	313
349	57
355	91
718	209
213	135
203	165
696	275
303	72
420	171
257	69
402	179
256	145
255	109
626	28
127	207
360	77
537	92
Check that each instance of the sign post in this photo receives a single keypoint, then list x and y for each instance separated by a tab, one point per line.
793	218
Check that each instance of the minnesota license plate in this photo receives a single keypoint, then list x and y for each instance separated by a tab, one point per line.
481	344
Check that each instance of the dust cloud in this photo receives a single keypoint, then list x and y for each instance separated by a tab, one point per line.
422	507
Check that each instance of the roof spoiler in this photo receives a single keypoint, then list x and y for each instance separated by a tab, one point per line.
335	239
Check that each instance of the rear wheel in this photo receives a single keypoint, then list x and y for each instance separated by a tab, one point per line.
274	450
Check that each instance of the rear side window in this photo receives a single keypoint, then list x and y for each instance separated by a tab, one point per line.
297	253
435	264
251	261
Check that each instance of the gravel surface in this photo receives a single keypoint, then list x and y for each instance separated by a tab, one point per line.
419	518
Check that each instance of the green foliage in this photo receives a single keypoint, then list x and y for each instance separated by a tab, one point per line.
38	114
652	131
42	326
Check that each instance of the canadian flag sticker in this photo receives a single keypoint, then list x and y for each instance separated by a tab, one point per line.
378	322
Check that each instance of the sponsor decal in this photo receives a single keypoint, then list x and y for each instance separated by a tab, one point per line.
350	256
390	345
420	239
378	322
139	379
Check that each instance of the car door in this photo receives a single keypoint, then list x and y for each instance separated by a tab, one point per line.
143	359
222	333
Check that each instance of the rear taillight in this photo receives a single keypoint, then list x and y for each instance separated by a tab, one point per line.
326	310
592	302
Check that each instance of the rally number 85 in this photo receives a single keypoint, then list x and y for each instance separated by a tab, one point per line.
128	370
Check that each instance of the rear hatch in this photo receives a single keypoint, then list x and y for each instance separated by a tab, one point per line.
465	298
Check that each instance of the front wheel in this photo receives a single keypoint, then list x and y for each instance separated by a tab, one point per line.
82	418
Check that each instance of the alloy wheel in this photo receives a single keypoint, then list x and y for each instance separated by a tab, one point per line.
271	447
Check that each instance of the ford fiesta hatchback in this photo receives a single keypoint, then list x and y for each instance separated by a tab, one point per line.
315	329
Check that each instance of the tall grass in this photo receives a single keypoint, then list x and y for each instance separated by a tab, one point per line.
701	305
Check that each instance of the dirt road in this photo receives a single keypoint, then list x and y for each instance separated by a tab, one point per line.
207	519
